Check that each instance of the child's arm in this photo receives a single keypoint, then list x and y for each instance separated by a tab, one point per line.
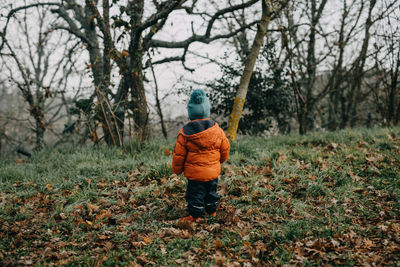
225	147
179	157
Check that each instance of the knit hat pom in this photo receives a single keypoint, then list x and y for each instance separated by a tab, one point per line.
199	105
198	96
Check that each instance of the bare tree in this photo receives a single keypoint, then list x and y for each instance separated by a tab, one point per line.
34	69
349	109
329	62
94	27
349	22
304	84
385	81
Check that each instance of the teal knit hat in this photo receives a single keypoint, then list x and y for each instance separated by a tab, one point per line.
199	105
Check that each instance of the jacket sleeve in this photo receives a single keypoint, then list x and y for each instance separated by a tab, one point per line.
179	157
225	147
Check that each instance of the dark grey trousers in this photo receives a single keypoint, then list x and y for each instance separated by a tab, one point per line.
202	196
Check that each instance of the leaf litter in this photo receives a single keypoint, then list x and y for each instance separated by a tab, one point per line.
326	203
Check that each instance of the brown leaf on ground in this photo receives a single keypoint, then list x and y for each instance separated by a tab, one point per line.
49	187
218	244
219	259
147	240
292	180
167	152
331	146
173	232
281	158
223	189
20	161
185	224
92	208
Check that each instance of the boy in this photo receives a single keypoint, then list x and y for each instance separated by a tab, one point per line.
201	147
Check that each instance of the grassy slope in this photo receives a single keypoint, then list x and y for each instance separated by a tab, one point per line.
324	197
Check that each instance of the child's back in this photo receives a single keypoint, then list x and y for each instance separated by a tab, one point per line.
200	148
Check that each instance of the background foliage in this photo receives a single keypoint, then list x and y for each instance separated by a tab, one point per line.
269	97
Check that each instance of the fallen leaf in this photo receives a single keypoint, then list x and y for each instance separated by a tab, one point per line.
92	207
173	232
354	176
335	243
223	189
396	227
266	171
20	161
167	152
247	244
368	243
313	177
349	158
185	224
134	264
49	187
331	146
370	159
147	240
180	261
219	259
101	184
280	159
218	244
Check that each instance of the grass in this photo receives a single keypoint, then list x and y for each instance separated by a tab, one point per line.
299	200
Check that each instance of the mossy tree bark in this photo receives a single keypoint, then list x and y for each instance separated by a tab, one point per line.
240	98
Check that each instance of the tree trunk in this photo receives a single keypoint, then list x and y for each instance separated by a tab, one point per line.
358	74
338	77
303	119
162	122
37	113
158	104
393	90
303	90
140	112
121	103
240	98
101	68
113	132
139	107
397	116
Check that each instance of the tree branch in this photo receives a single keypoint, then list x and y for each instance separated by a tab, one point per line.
198	38
162	13
72	27
225	11
15	10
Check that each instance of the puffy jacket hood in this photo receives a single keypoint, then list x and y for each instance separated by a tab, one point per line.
205	139
203	133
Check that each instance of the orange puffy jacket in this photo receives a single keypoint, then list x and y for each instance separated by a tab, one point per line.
201	147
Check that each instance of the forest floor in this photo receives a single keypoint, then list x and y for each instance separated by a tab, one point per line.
319	199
